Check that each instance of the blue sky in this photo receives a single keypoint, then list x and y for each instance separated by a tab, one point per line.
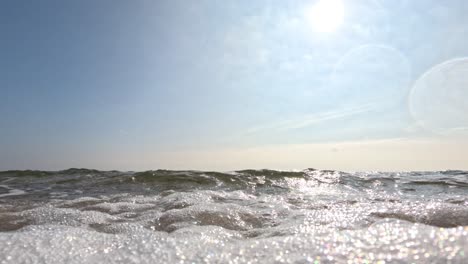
227	85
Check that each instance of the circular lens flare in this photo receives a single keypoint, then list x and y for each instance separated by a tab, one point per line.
438	98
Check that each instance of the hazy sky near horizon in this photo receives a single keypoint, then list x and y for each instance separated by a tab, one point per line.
133	85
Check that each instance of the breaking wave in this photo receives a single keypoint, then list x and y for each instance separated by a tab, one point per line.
264	216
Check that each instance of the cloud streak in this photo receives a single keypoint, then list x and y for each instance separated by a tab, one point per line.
311	119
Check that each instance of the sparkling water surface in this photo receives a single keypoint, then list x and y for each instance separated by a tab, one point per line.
250	216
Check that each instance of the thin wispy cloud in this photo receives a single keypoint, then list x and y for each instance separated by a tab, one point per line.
311	119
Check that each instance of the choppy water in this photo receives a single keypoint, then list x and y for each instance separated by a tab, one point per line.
310	216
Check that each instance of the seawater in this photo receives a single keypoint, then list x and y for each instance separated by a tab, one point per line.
249	216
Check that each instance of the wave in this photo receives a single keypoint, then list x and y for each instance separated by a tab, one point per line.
171	216
246	178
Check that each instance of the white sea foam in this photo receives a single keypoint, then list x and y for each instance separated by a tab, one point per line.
247	217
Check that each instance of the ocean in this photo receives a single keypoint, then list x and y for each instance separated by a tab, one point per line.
248	216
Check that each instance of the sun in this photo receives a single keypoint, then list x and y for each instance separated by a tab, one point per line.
326	15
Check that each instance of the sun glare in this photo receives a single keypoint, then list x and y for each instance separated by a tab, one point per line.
326	15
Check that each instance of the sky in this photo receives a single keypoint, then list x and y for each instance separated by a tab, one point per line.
225	85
